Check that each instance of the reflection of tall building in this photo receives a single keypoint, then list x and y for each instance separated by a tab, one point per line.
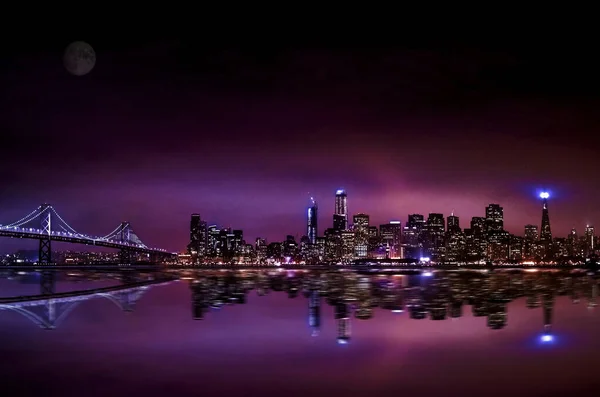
436	296
314	311
312	223
593	294
342	316
340	216
199	304
548	305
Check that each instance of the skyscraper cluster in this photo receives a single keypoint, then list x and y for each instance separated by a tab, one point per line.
432	238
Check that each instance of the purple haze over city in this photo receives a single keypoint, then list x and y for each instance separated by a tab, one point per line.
159	130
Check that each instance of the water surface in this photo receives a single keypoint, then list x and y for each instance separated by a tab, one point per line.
255	340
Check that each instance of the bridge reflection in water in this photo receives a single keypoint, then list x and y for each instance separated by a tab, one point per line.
353	295
49	309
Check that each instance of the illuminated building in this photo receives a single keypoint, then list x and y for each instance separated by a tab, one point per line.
455	240
214	242
452	224
312	230
494	218
434	236
260	249
373	241
412	236
340	216
476	239
348	242
361	235
391	236
530	242
590	245
545	231
573	246
290	247
198	238
333	245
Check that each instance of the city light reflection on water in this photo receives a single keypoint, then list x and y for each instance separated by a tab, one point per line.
255	324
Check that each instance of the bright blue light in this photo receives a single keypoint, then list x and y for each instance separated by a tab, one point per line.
397	311
340	191
427	274
547	338
342	341
544	195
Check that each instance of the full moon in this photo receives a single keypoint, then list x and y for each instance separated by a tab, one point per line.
79	58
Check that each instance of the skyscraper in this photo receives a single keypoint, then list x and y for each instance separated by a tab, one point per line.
391	235
198	238
340	216
361	235
494	218
545	232
453	224
312	222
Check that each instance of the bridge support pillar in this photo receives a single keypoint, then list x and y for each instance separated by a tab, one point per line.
129	277
125	257
48	283
45	251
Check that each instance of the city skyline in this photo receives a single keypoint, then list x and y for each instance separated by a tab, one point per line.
160	130
325	221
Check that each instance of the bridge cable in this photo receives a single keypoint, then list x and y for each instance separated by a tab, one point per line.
66	224
20	221
113	233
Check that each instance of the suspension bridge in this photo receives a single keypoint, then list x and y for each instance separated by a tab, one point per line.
46	225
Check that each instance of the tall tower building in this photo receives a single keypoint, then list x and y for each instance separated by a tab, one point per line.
494	218
361	235
340	216
198	238
453	224
312	222
391	235
590	236
545	232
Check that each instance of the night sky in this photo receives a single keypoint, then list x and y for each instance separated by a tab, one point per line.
164	128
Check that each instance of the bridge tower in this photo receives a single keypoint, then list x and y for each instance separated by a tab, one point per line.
125	253
45	251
